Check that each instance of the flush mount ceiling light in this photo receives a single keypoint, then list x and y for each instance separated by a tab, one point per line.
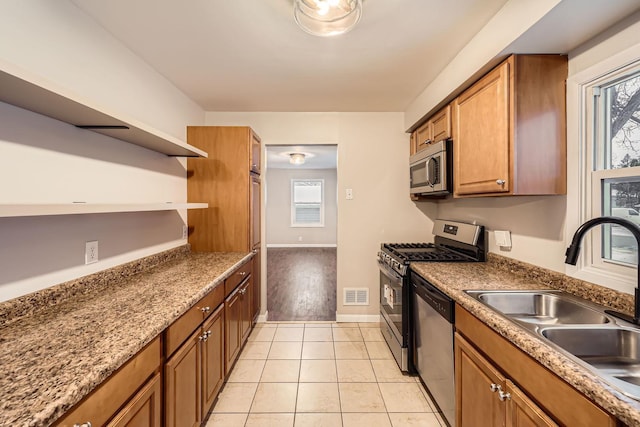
327	17
296	158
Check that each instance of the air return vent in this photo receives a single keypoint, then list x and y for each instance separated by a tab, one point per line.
356	296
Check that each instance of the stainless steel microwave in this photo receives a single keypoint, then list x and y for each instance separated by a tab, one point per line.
430	169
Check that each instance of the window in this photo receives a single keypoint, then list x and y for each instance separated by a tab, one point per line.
307	203
612	184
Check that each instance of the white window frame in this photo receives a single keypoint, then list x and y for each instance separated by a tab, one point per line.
293	204
584	179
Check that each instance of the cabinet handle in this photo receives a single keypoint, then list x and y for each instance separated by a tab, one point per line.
202	337
87	424
503	396
500	181
255	251
205	309
495	387
243	273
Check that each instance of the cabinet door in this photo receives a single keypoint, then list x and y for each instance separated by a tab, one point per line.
212	359
182	385
482	158
143	410
247	309
441	124
257	284
423	136
254	215
477	403
523	412
255	153
232	320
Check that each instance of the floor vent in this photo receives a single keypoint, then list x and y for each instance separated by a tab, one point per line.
356	296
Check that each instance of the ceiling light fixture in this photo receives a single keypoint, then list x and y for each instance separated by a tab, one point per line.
296	158
327	17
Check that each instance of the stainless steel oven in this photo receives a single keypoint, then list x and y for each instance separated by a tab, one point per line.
393	326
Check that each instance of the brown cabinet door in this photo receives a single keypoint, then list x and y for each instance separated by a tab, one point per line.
212	359
441	124
247	309
477	402
255	153
423	136
143	410
182	385
232	322
523	412
482	158
257	265
254	215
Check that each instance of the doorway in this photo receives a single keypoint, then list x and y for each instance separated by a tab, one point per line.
300	230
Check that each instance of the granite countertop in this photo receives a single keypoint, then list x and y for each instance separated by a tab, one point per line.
57	345
500	273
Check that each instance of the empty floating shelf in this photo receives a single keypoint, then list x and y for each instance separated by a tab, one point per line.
25	90
23	210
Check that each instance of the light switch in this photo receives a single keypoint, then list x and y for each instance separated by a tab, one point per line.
503	238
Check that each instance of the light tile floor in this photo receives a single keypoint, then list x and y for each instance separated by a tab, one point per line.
321	374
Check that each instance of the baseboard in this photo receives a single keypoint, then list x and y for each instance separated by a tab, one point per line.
262	318
302	245
362	318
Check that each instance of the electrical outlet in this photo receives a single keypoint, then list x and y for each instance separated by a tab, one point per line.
91	252
503	238
185	232
299	238
349	193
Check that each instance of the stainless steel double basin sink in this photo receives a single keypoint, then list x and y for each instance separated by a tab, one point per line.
608	347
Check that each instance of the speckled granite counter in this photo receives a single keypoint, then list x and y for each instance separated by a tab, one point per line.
502	273
59	344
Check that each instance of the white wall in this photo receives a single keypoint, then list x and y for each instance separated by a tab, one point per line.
278	208
373	161
46	161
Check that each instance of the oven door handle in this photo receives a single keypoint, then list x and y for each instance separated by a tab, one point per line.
389	272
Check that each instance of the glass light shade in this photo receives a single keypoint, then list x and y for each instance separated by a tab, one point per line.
296	158
327	17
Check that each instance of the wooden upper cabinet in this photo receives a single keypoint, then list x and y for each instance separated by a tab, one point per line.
441	124
224	181
436	128
509	130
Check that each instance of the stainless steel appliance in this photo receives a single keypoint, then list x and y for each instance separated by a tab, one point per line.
430	169
395	288
417	321
433	344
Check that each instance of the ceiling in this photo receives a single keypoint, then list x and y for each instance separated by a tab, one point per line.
316	156
248	55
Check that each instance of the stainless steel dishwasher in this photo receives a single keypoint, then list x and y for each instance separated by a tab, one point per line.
433	343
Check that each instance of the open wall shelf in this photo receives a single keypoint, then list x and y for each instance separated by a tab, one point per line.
22	210
25	90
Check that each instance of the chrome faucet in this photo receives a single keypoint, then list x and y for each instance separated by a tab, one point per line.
574	250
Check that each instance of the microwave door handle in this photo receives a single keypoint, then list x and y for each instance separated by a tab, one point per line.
427	167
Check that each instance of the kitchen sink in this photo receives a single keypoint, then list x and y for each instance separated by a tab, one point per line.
614	352
606	346
540	307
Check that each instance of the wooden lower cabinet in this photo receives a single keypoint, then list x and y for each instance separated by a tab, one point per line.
485	398
195	374
115	399
238	321
144	409
531	394
256	270
213	374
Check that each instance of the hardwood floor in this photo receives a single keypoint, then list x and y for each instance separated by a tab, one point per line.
301	284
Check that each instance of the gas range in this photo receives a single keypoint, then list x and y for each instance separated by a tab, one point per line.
453	242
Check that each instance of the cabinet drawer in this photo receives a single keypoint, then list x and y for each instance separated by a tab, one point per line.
103	402
238	276
182	328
